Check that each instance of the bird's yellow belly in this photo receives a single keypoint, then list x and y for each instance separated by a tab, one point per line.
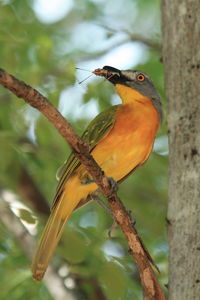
119	155
127	146
130	141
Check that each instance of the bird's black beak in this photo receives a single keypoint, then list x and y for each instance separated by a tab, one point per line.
110	73
112	70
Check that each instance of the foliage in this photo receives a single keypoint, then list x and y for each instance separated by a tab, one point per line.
45	54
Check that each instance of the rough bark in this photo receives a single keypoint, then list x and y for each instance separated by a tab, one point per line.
181	57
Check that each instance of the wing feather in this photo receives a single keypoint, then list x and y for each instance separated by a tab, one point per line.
96	130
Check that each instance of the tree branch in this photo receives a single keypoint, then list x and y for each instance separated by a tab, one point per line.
135	37
152	290
130	38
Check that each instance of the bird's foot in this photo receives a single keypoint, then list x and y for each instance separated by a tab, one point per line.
87	181
108	210
113	184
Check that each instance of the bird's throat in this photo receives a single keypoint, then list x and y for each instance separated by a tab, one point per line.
129	95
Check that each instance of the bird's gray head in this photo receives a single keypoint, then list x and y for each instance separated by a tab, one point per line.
134	79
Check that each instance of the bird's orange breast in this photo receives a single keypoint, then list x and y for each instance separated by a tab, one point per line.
130	141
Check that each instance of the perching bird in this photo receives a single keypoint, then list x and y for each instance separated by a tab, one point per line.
120	138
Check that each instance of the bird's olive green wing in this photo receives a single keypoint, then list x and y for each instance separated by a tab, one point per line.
96	130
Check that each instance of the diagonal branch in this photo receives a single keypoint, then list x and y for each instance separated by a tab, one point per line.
152	290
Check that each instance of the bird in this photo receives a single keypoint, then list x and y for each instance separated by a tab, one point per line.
120	139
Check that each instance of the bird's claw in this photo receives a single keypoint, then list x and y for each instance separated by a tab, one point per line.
113	184
131	217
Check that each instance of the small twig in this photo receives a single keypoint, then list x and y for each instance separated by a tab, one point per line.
152	290
135	37
130	37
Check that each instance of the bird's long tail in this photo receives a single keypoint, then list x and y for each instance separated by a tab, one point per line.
52	232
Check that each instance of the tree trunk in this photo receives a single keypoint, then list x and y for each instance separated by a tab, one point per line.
181	56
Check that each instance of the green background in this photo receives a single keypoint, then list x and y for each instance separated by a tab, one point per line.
45	54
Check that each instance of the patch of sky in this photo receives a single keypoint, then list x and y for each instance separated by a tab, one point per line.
89	219
113	249
52	11
161	145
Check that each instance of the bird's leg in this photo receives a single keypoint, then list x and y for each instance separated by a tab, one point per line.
114	187
112	228
102	204
108	210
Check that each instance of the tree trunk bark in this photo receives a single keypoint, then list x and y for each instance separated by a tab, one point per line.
181	57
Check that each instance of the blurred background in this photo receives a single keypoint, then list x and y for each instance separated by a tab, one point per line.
42	42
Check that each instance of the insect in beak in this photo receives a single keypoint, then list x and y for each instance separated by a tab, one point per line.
107	72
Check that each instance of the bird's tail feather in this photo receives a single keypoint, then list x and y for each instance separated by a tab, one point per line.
51	235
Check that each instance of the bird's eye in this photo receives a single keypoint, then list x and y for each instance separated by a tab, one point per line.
140	77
